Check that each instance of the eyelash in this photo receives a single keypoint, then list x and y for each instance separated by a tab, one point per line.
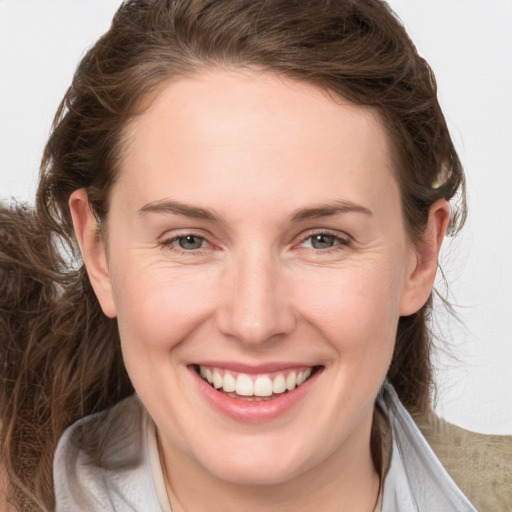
340	242
172	243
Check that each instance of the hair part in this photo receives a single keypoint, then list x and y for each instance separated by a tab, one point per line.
61	356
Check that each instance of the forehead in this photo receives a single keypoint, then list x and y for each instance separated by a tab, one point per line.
258	133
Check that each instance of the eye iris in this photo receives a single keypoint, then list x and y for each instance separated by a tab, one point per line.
190	242
323	241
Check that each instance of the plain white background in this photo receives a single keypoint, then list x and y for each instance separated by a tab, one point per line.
469	45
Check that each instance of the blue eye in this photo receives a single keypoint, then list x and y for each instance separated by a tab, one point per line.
189	242
323	241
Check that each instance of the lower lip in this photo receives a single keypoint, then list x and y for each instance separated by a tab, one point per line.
253	411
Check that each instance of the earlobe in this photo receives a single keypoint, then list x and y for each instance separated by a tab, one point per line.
424	257
93	249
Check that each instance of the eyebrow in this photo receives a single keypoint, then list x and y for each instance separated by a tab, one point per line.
302	214
328	210
179	209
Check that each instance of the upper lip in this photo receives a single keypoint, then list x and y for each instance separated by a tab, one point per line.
260	368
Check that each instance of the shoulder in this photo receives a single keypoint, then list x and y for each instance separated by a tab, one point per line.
481	465
101	462
109	438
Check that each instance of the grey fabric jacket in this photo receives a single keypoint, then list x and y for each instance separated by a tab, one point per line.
102	463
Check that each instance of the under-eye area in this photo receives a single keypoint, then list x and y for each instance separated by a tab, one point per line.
264	386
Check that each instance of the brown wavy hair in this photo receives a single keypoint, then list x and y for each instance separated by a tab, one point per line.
60	357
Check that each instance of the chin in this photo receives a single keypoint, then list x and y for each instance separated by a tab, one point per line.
270	464
250	474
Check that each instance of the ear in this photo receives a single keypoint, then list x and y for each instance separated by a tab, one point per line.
93	249
423	262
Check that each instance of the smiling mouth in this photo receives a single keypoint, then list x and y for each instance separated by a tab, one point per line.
255	387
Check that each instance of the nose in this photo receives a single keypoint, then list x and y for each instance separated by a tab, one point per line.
256	307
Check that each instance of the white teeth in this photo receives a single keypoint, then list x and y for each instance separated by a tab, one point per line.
217	379
263	386
279	384
229	383
303	376
291	381
244	385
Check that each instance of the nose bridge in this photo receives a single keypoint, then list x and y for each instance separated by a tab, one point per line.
256	307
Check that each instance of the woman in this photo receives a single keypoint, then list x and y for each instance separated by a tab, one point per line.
259	192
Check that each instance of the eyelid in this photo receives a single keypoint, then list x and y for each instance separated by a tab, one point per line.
168	241
343	241
169	234
340	235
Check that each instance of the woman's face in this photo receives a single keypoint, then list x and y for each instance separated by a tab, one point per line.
255	237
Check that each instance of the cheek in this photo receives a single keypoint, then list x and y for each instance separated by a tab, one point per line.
356	309
158	307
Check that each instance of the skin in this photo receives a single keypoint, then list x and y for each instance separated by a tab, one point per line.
254	149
